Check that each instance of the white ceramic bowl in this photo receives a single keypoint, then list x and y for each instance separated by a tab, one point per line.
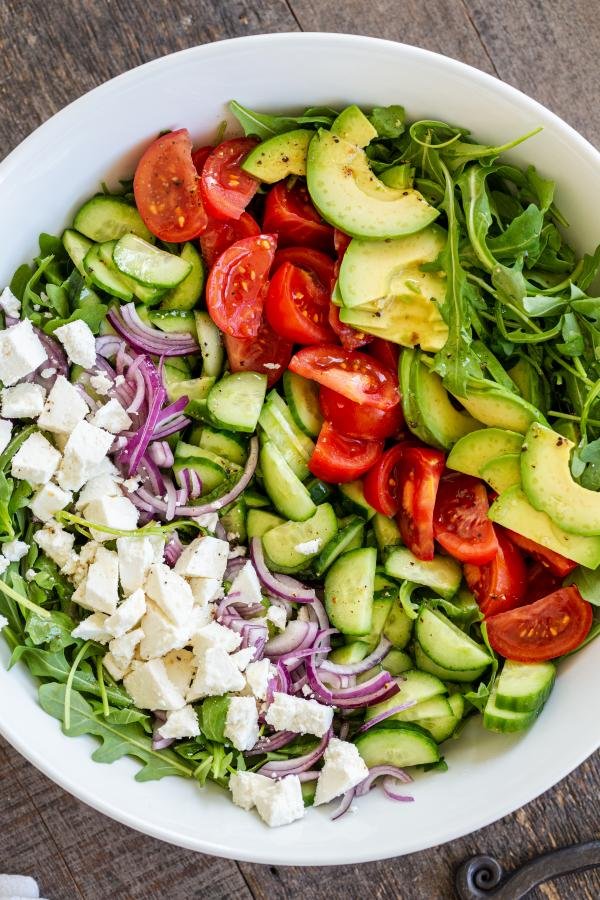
41	184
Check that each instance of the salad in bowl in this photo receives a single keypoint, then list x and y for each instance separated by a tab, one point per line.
300	455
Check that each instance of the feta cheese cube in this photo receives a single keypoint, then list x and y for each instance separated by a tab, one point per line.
160	634
83	562
93	629
199	618
150	687
282	803
258	675
101	384
79	342
205	557
208	521
216	674
121	650
96	488
100	591
112	417
64	408
181	723
136	555
344	768
84	451
241	723
21	352
243	657
181	666
128	614
10	304
247	585
36	460
23	401
115	512
215	635
278	616
55	542
46	502
15	550
287	713
5	434
170	592
246	786
205	589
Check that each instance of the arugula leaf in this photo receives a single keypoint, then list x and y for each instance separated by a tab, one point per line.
479	698
6	487
589	269
54	665
522	236
572	338
266	126
212	717
54	631
588	582
390	121
19	281
127	716
478	215
541	305
93	313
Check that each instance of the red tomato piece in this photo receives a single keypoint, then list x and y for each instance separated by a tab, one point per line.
357	420
501	584
546	629
352	374
266	353
541	581
235	293
386	352
460	520
200	156
290	213
226	189
420	471
337	459
340	242
220	235
314	261
349	337
166	189
382	484
297	306
557	563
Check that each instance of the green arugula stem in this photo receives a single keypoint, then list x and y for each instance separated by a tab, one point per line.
102	686
23	601
69	684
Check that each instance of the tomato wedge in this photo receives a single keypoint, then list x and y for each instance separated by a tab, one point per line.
290	213
420	471
550	627
200	156
381	486
337	459
541	581
226	189
557	563
386	352
349	337
357	419
266	353
314	261
219	235
166	192
352	374
340	242
234	289
460	521
501	584
297	306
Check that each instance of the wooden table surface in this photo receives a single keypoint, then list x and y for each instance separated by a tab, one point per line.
52	51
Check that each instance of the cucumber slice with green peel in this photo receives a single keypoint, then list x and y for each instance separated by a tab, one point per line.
192	388
188	292
279	156
198	410
396	662
473	451
302	398
413	686
349	591
506	721
228	445
399	744
385	585
147	295
210	473
77	246
173	321
236	400
148	264
105	218
255	500
387	533
502	472
446	644
398	626
442	573
189	451
308	790
524	687
427	710
259	521
350	653
457	704
176	362
279	427
104	277
234	522
382	606
462	676
353	499
350	537
281	543
440	727
211	344
288	495
320	491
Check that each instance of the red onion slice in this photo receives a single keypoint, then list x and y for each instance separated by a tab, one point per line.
279	586
146	339
282	767
385	715
364	665
375	772
345	804
275	742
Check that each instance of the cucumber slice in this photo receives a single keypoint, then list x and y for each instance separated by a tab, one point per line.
259	521
442	573
353	499
211	474
279	426
474	450
147	295
254	500
381	610
188	292
228	445
308	790
211	344
398	626
350	537
174	321
387	533
104	218
523	687
350	653
104	277
320	491
236	400
302	397
185	451
413	685
288	494
502	472
504	720
349	591
423	662
446	644
192	388
77	246
176	362
396	662
397	744
234	522
436	708
281	543
147	264
457	704
198	410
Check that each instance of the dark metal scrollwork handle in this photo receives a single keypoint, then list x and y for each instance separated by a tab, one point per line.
480	877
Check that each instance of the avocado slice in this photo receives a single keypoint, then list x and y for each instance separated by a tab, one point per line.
513	510
279	156
475	450
410	320
529	383
495	406
549	485
502	472
353	126
350	196
445	422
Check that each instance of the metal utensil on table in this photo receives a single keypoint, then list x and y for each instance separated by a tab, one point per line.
483	876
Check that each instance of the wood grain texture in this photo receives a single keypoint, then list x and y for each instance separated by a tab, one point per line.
52	51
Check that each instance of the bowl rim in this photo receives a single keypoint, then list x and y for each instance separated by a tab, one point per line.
92	798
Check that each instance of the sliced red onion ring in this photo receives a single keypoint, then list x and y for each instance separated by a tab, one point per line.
298	635
385	715
150	471
108	345
376	689
173	549
279	586
364	665
142	337
177	423
282	767
345	804
161	454
311	775
275	742
375	772
190	480
388	785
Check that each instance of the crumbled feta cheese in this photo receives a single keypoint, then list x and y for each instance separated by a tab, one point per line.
200	617
181	666
5	434
10	304
287	713
243	657
131	484
215	635
97	487
160	634
79	342
277	615
136	555
208	520
83	561
64	408
15	550
101	384
258	675
23	401
112	417
93	629
344	768
86	448
309	548
105	467
119	380
46	502
48	373
55	542
181	723
21	352
36	460
100	590
150	687
205	590
113	512
247	585
216	674
205	557
241	723
282	803
4	564
121	650
30	575
245	787
170	592
128	614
